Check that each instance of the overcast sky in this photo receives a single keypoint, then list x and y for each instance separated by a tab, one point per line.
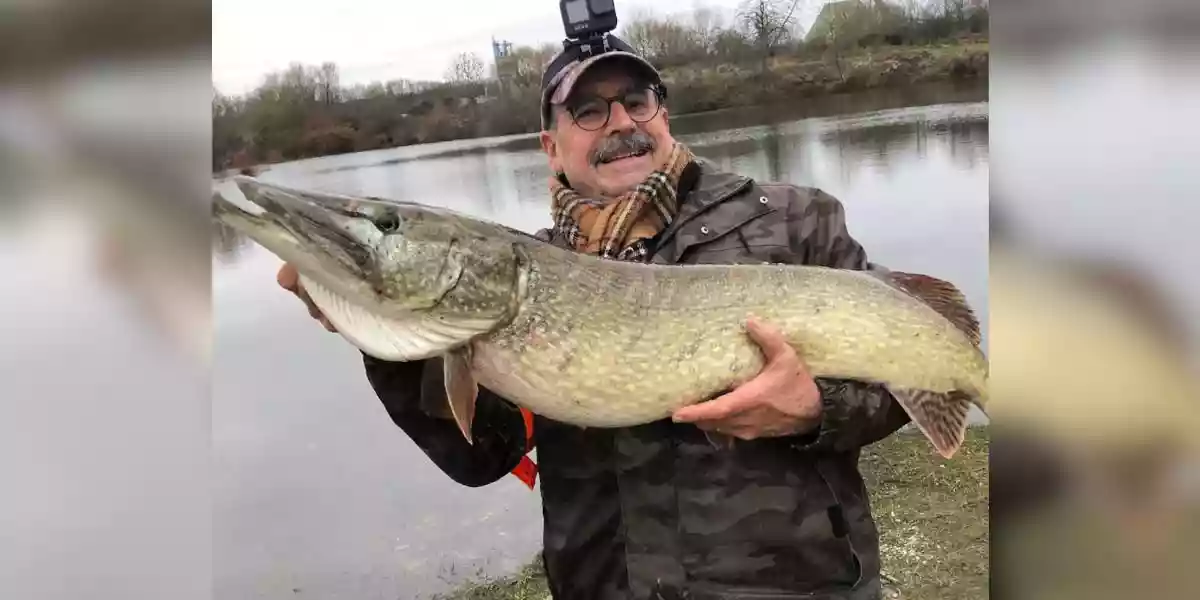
391	39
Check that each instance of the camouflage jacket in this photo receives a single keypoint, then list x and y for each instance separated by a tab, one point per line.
656	511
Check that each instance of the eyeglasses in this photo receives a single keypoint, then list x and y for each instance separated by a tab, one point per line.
593	112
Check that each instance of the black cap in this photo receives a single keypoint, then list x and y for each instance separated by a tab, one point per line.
565	69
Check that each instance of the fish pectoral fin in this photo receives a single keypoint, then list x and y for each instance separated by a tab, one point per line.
942	417
461	388
942	297
720	441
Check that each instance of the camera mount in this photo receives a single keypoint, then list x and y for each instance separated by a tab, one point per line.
587	24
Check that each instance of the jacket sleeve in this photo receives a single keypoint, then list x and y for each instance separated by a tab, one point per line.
415	398
855	413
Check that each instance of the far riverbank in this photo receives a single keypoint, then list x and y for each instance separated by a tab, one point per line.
796	81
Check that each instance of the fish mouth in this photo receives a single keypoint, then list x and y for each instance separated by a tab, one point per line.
327	237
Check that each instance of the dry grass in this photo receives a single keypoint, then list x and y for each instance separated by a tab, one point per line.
527	584
932	516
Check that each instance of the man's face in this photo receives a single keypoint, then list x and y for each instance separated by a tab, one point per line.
614	158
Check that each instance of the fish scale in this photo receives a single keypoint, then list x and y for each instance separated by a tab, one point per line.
603	343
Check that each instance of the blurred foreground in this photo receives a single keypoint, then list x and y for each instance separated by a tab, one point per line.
104	243
1095	454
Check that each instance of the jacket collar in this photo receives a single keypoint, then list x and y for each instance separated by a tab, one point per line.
712	186
701	187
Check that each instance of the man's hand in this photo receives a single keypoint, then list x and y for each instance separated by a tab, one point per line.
781	400
289	280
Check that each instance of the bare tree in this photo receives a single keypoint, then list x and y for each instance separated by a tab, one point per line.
645	33
955	11
707	25
329	83
912	10
838	34
767	23
467	67
664	40
638	30
843	25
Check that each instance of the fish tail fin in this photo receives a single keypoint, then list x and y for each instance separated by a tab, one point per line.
941	296
941	417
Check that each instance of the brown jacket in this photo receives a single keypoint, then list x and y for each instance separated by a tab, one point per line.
655	511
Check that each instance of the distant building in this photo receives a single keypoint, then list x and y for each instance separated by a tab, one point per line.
501	49
856	20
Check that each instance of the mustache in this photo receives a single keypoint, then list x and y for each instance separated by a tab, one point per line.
627	143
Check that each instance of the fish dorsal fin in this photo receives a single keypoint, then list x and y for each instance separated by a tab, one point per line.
941	296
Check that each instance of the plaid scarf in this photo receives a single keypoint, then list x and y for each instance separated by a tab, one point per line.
620	228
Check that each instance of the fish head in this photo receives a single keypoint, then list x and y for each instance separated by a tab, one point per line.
442	262
394	258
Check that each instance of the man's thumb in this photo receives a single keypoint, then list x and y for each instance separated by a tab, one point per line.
770	339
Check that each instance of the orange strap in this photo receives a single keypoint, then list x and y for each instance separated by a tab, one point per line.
526	470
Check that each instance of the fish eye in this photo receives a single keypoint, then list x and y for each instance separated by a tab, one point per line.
388	222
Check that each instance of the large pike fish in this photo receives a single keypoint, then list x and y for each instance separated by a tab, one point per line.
603	343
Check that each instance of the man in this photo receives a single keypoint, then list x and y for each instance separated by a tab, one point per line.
666	510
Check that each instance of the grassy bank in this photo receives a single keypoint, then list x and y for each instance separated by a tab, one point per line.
790	78
932	516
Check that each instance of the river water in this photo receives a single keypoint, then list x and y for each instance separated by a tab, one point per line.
318	495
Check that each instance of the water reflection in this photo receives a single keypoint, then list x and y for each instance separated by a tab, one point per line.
965	138
317	490
510	186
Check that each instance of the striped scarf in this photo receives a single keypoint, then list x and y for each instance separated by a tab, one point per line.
620	228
